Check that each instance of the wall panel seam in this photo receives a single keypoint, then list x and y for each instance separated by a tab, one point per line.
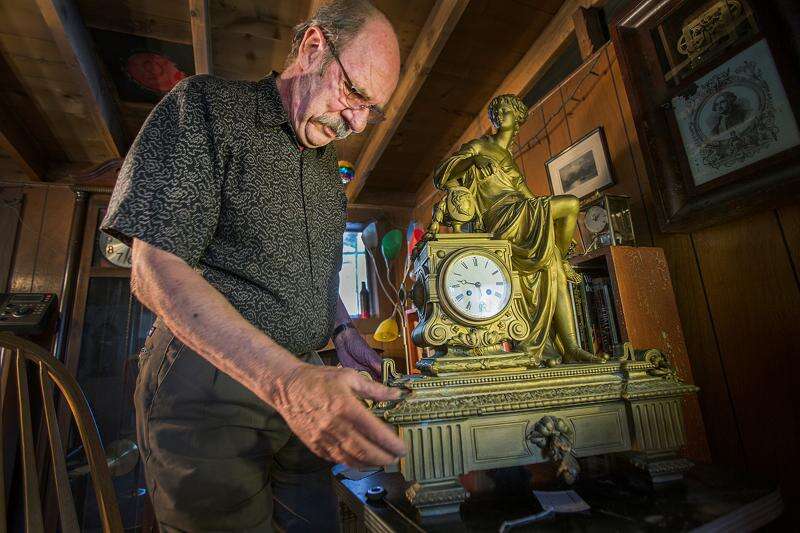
788	249
719	351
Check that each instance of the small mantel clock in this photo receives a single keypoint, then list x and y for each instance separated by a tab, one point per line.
605	220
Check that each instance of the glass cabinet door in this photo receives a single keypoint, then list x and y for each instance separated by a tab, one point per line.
107	330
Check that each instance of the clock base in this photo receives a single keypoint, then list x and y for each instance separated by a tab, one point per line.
456	423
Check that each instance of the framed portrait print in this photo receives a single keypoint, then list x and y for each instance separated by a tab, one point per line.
582	168
717	116
734	116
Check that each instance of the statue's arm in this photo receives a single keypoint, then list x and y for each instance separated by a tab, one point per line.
453	168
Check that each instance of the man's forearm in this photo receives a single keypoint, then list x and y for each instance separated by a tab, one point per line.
206	322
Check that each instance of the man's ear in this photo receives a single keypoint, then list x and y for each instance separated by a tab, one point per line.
312	49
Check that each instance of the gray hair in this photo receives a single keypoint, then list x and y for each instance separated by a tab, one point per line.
339	20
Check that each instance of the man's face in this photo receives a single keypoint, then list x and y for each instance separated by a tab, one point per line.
372	61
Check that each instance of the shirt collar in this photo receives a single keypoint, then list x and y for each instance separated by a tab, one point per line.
270	105
272	113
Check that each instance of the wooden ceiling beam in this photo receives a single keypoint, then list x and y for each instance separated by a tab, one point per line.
397	198
21	147
589	32
432	37
14	138
201	36
77	50
539	57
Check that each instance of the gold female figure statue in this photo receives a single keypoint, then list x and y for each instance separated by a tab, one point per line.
539	228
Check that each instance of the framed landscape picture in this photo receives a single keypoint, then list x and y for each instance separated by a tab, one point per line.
583	168
714	87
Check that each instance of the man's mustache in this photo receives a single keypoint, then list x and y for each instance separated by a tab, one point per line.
337	124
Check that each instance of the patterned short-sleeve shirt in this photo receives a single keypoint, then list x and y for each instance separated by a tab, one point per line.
216	176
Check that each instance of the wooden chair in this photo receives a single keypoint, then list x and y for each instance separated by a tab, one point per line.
16	354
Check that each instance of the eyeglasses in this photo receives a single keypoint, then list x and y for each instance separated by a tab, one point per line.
353	97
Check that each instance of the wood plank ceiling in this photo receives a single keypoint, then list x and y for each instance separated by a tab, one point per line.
55	119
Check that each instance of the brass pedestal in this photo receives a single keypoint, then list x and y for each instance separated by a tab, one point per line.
454	424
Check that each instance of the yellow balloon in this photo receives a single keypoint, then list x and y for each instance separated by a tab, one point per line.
387	331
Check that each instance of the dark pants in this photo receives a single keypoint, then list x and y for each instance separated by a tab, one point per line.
216	457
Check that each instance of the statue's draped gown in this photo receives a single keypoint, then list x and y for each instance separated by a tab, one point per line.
510	211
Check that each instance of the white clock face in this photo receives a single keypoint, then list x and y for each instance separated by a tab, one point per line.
476	286
596	219
117	252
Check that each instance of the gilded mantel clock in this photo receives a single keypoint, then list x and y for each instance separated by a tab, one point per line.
470	304
487	397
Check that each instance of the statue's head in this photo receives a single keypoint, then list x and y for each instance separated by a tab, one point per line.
507	111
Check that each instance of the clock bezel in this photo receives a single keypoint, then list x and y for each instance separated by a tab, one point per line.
607	221
444	298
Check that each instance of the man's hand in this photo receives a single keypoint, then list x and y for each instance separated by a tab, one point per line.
354	352
320	405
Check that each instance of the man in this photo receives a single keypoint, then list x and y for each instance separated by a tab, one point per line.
231	199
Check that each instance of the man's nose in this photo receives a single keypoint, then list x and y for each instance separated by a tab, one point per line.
356	119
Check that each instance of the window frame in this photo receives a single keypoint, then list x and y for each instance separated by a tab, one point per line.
371	280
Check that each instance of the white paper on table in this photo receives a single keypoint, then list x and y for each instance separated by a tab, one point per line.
561	501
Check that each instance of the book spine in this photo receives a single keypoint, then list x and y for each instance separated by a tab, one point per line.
592	335
612	315
602	313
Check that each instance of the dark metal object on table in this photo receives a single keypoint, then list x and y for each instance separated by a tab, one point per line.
376	493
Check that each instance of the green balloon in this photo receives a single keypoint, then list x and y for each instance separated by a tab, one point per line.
390	244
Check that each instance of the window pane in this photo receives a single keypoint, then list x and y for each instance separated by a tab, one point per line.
347	284
354	271
351	239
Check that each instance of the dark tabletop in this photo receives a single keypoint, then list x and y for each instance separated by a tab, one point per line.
709	498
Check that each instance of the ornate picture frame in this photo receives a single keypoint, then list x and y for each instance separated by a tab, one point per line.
719	139
582	168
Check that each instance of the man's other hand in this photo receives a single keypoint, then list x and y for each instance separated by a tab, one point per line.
355	353
321	406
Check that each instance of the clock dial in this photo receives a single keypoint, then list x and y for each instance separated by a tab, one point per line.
115	251
476	286
596	219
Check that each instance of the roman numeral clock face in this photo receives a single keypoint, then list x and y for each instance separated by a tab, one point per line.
476	287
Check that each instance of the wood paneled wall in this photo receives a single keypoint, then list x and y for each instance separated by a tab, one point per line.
41	239
736	284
